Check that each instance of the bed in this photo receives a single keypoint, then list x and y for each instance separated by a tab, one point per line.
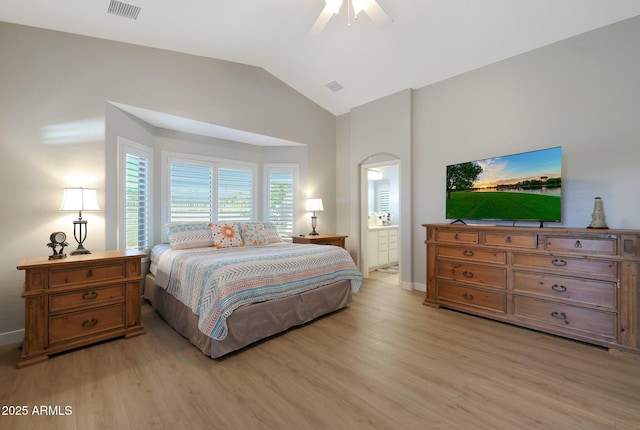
226	286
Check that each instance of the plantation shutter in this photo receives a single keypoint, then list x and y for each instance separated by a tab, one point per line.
191	195
235	194
281	201
384	196
136	202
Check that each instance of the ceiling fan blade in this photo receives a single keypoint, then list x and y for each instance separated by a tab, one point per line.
322	20
377	13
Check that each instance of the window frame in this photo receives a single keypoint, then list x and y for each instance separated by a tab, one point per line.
125	147
169	157
290	168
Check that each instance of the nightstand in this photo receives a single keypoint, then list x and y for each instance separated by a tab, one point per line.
79	300
322	239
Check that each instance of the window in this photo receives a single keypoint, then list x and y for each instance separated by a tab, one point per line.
281	192
191	192
384	197
205	189
235	194
134	197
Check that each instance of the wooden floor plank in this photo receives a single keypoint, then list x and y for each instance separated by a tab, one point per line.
385	362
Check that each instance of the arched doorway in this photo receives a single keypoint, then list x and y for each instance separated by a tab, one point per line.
380	215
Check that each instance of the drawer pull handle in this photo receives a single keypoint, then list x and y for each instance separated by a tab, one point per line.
456	236
89	295
468	296
558	288
467	274
89	273
578	244
89	323
559	262
468	253
559	315
508	239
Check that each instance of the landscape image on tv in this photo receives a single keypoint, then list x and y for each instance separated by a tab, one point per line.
524	186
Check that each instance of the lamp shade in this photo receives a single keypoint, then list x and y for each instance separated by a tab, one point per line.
80	199
314	205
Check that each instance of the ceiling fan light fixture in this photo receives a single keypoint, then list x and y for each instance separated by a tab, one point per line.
334	6
360	5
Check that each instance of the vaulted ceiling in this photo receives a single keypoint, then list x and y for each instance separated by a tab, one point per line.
424	42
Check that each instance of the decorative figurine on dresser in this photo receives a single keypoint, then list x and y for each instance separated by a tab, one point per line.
77	300
582	284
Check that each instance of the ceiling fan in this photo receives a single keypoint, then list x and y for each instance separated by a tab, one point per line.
371	7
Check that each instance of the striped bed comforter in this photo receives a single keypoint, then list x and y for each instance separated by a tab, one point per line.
214	282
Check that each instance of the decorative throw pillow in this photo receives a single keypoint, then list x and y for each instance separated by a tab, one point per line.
271	232
226	235
253	234
189	234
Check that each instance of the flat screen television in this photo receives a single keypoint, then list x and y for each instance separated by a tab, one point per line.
516	187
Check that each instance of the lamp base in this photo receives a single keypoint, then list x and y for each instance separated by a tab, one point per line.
314	222
80	250
80	234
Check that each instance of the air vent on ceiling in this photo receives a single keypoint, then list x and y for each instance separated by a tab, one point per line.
123	9
334	86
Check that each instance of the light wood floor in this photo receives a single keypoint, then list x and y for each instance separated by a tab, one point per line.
385	362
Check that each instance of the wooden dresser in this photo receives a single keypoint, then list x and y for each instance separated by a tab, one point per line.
79	300
578	283
322	239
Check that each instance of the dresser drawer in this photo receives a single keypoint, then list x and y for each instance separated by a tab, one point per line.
83	275
78	324
529	241
457	236
597	293
566	264
581	244
566	316
470	296
86	297
472	274
473	254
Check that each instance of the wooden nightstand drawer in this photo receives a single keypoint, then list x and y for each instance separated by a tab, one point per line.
566	317
472	296
86	297
83	275
472	274
78	324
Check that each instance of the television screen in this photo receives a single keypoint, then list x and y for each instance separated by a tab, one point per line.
524	187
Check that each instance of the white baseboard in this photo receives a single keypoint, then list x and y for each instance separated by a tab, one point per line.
420	287
11	337
413	286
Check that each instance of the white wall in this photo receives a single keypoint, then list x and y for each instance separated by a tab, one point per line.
582	94
376	129
54	89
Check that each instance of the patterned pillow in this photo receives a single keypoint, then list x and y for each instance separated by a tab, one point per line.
189	234
271	232
226	235
253	234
